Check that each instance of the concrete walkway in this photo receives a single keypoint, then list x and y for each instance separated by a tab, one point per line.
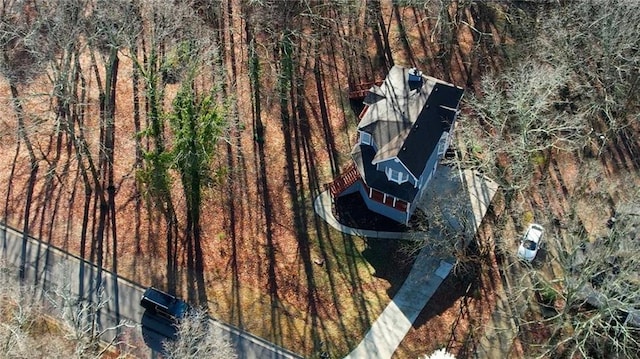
393	324
461	199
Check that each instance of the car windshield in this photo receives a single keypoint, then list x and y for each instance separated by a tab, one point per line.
180	309
529	244
534	234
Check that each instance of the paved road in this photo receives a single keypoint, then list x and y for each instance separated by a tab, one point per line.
47	265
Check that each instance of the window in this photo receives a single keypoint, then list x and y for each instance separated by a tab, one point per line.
365	138
397	176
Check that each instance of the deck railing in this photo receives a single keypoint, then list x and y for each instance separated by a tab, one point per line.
359	91
344	181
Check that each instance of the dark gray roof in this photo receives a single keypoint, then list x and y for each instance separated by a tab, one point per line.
405	119
436	117
377	179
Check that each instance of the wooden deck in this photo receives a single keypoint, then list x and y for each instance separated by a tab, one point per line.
359	91
351	176
344	181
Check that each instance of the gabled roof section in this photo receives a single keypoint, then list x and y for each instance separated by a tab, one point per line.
436	117
407	115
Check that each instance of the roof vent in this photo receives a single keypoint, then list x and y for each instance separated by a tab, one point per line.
415	75
415	79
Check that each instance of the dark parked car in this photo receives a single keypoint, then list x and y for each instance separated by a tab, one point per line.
164	304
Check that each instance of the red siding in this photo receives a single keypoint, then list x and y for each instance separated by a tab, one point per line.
388	201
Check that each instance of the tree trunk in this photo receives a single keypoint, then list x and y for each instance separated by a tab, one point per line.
33	174
135	83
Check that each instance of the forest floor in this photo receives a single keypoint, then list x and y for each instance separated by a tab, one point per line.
271	266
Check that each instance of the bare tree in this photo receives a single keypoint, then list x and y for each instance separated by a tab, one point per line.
599	43
62	324
591	308
19	317
21	34
516	124
198	337
573	83
570	87
66	22
20	61
80	320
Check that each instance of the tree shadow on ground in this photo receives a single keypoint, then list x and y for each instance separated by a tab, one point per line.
389	259
392	259
457	285
356	105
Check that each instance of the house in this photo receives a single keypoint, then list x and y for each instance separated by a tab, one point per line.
404	130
